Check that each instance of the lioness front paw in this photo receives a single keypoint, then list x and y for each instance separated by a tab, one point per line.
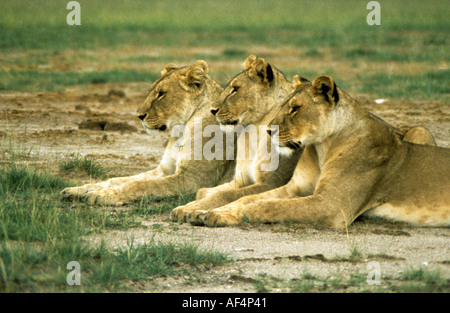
109	197
70	193
73	193
220	217
185	213
178	214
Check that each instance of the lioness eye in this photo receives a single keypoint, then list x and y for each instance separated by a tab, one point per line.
294	109
235	89
161	94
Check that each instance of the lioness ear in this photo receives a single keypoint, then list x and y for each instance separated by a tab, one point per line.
168	68
262	71
325	86
300	81
196	75
249	61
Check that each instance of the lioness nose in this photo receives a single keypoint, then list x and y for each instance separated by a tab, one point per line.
271	131
214	111
141	117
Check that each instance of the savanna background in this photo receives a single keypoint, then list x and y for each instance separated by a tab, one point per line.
68	96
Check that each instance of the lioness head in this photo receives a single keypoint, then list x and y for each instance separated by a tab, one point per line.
250	95
308	115
172	99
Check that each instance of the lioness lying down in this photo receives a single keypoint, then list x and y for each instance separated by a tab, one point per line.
250	100
253	98
363	168
180	97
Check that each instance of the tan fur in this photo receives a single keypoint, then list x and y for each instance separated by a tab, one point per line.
363	167
177	98
252	98
420	135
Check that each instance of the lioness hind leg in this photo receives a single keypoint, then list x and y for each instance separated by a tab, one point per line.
419	135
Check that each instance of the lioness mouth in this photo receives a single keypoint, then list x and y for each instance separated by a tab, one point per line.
162	128
234	123
293	144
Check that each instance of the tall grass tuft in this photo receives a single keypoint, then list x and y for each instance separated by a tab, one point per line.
20	181
84	164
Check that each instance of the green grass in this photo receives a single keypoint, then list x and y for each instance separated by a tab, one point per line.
326	23
85	164
226	54
36	41
169	22
423	280
149	261
428	85
421	53
413	280
19	181
36	80
334	283
355	256
27	268
158	205
40	234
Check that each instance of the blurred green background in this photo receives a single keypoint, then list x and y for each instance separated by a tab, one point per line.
123	36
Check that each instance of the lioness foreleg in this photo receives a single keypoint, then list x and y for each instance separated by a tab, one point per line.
309	210
160	187
227	194
72	193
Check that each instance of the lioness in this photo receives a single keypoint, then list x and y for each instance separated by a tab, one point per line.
180	96
248	101
363	167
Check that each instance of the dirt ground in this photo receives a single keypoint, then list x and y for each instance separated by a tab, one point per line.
99	121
